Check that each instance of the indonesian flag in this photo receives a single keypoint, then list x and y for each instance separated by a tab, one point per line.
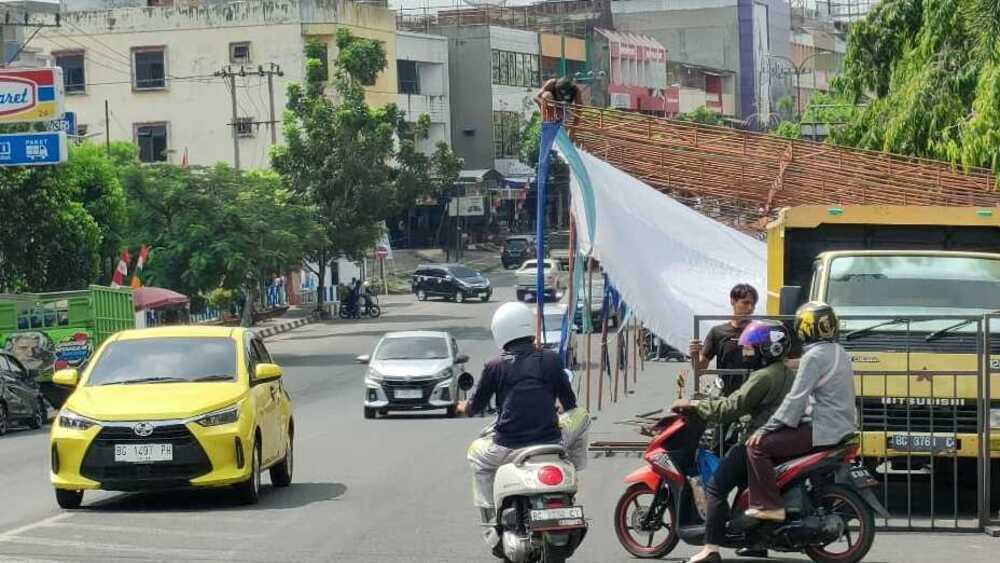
143	253
118	279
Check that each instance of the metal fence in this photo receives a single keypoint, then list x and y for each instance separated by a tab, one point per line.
924	414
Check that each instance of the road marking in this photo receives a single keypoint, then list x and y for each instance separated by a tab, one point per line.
179	553
149	530
28	527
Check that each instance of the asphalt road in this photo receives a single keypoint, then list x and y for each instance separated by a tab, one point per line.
395	489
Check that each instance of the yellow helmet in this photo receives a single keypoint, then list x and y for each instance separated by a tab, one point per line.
815	321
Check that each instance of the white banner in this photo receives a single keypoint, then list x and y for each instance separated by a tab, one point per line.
668	261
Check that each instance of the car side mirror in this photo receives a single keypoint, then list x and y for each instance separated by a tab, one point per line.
461	359
466	381
363	360
66	377
267	372
789	299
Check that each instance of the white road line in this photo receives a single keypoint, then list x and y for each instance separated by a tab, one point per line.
149	530
28	527
118	549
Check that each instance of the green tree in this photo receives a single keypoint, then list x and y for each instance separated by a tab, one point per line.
215	227
337	154
930	73
702	115
61	222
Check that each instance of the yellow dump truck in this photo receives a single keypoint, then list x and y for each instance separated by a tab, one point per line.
917	277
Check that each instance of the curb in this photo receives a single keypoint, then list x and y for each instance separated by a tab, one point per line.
285	327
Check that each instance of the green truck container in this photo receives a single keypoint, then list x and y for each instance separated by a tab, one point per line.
52	331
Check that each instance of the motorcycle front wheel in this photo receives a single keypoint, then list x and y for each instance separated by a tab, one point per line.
374	311
632	507
859	525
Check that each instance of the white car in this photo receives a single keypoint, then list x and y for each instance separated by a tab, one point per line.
413	371
555	279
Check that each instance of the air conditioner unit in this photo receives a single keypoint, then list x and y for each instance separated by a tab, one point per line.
623	101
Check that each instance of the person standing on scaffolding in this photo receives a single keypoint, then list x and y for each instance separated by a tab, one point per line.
562	91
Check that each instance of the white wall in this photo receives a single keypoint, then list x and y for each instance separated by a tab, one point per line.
431	54
516	40
195	105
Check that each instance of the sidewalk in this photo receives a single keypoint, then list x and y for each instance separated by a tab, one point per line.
295	317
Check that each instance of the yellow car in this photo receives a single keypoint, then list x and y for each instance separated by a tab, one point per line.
173	407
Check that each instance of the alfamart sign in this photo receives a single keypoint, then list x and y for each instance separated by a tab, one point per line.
31	95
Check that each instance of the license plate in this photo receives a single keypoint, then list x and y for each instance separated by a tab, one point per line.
862	478
143	453
409	394
555	518
908	443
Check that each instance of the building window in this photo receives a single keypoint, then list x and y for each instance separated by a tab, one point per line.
515	69
239	53
149	68
244	127
73	75
152	141
507	134
409	80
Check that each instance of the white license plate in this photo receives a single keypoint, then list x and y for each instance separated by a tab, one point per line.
409	394
542	515
143	453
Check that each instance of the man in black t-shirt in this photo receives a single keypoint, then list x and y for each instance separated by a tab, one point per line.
722	341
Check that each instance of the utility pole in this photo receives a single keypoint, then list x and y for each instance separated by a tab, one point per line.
228	72
274	69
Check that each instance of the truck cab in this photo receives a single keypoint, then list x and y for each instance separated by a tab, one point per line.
911	286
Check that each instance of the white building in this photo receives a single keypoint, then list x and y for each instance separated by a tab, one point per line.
422	70
155	70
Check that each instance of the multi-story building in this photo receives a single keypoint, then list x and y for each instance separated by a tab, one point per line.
720	51
495	72
149	75
632	72
422	71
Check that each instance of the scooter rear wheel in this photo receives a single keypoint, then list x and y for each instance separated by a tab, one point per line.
859	520
644	544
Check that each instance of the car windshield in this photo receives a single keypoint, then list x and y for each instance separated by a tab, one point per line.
413	348
165	360
517	243
913	285
534	266
463	272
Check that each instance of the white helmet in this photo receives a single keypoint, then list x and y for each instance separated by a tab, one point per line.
512	321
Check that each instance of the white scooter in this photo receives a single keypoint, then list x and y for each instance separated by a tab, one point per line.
538	519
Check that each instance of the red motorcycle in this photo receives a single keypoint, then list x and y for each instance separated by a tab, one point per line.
829	501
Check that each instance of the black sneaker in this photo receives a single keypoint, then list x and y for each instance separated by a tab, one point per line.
749	552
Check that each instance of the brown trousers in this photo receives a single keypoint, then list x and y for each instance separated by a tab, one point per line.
782	444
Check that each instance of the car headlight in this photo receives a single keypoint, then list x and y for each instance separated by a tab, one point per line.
995	419
227	415
373	376
446	373
72	421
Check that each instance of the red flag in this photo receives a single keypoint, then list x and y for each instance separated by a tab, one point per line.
118	279
143	253
184	159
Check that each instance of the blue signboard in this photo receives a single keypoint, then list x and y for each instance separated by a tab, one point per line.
67	124
33	149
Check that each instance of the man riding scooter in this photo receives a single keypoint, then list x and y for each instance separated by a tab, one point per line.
757	398
527	382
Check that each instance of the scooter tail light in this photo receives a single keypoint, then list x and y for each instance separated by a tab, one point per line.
555	502
550	475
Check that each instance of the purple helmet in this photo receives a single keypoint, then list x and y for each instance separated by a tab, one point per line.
770	340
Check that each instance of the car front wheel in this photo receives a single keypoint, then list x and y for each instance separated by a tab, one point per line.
69	500
459	297
249	490
421	295
38	419
281	474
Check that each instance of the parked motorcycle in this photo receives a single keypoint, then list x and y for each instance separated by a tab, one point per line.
538	519
829	501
